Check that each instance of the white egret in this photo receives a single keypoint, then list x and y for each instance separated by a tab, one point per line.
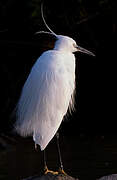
48	91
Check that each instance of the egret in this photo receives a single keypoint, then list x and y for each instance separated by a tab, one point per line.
48	92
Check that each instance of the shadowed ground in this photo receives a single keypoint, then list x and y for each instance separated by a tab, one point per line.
83	157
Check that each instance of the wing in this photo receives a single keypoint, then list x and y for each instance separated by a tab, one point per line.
44	99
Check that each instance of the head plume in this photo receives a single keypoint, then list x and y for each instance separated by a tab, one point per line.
50	30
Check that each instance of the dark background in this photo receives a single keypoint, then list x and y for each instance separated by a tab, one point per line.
93	25
89	136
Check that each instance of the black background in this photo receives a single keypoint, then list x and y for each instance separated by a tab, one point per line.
93	25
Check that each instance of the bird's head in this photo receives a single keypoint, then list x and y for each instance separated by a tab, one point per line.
67	44
64	43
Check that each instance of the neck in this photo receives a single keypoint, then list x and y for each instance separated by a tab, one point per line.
62	49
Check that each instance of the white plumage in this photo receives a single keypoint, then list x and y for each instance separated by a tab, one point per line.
47	93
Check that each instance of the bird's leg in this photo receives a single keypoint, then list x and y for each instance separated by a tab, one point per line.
44	158
36	148
45	164
46	170
59	153
61	171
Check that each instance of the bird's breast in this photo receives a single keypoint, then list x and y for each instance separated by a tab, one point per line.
63	59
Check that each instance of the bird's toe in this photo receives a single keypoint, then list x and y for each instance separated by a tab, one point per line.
61	171
46	171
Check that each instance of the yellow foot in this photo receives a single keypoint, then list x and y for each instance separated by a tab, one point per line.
61	171
46	171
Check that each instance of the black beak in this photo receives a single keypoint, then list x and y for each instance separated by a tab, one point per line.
80	49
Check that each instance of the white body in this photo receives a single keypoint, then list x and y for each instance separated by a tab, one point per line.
46	96
48	92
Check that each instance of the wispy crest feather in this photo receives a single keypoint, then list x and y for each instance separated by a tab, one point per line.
46	32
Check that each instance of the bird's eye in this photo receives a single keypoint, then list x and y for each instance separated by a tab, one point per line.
74	45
